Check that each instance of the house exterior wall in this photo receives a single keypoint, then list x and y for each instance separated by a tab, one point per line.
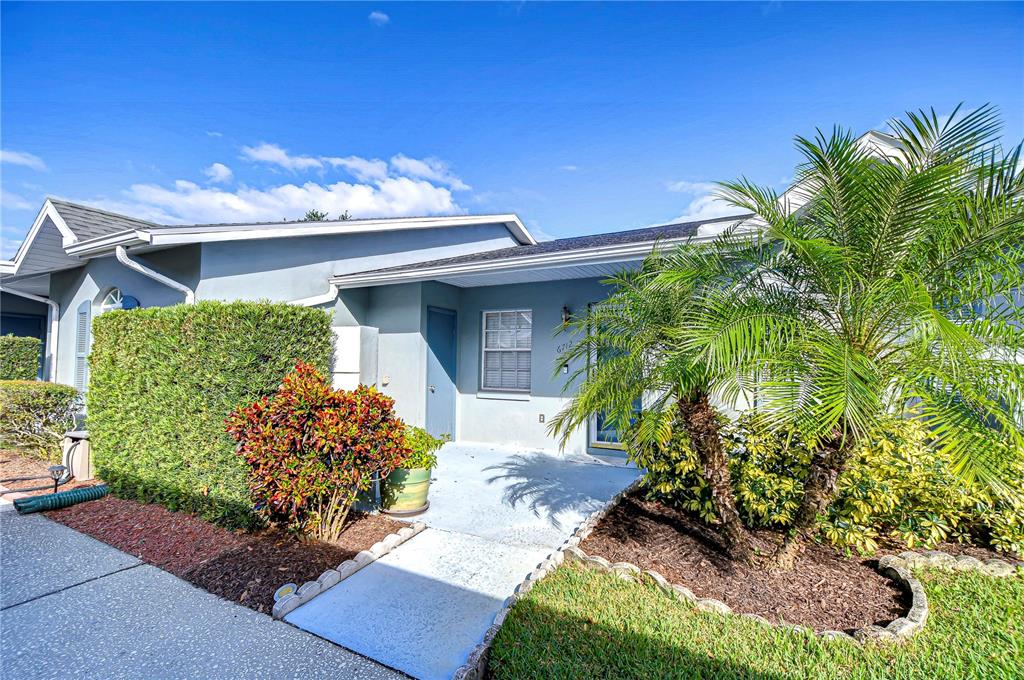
295	268
514	418
396	312
92	282
396	315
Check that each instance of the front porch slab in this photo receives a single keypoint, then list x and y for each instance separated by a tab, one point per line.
495	514
519	496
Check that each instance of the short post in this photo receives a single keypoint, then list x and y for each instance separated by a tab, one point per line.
77	454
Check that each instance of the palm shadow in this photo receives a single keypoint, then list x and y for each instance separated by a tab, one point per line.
549	486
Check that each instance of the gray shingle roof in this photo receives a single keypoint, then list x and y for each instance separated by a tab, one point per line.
646	234
86	222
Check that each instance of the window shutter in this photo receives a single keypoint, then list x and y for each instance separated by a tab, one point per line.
82	329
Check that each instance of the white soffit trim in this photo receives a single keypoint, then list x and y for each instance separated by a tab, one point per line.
107	242
241	232
626	252
48	210
172	236
6	266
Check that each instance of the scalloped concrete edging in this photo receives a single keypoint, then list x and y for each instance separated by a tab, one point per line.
332	577
896	631
936	559
476	665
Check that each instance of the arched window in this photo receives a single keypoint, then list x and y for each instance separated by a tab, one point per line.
115	299
112	300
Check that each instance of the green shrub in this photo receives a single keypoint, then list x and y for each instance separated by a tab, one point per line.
311	450
19	357
422	445
897	486
34	416
163	381
902	488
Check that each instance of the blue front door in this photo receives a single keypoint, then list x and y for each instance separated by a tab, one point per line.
441	331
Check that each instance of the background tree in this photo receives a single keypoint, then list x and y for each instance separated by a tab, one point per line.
891	291
314	215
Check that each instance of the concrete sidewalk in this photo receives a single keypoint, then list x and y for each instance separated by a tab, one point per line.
495	513
72	607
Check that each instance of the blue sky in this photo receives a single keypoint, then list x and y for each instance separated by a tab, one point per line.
579	117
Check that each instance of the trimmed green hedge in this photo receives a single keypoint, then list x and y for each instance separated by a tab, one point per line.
162	382
34	415
19	357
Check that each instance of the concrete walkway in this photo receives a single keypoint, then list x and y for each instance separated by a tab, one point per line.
72	607
494	514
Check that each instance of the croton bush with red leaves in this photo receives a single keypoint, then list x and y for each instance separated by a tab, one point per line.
312	449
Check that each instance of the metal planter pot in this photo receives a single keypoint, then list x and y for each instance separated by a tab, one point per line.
404	492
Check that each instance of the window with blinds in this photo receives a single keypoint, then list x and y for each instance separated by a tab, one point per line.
507	343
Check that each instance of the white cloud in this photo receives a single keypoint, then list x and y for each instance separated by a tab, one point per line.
379	18
433	169
684	187
362	169
187	202
708	207
214	133
13	201
22	158
219	173
275	155
704	205
569	168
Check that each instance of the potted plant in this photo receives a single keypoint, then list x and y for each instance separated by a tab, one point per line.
404	491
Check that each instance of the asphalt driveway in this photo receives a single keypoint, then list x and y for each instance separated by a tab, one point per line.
72	607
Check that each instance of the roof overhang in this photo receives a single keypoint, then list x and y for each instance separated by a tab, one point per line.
475	273
164	237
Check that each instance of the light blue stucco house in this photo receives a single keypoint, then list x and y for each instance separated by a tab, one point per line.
455	317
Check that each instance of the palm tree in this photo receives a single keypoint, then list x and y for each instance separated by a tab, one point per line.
890	290
628	351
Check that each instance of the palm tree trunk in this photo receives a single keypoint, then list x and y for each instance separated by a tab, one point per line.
701	422
819	491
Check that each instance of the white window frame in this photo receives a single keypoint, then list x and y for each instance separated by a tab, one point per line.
484	350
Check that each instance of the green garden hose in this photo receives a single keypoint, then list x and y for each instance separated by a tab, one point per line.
56	501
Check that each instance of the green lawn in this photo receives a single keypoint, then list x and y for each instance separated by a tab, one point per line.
582	623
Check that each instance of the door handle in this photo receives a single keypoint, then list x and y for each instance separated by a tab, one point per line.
433	389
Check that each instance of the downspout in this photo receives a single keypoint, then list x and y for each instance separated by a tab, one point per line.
51	337
122	257
321	299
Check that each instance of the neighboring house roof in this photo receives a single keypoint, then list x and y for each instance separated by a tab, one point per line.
580	252
66	233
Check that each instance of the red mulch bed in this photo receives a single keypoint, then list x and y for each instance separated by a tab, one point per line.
243	567
826	591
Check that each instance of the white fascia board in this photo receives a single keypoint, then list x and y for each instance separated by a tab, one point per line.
167	236
102	245
6	266
629	252
48	210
